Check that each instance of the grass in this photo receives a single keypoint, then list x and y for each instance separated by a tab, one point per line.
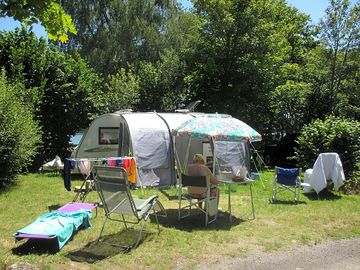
181	244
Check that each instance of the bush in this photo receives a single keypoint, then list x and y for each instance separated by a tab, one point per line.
68	93
333	134
19	134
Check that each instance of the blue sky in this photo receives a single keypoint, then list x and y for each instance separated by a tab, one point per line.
315	8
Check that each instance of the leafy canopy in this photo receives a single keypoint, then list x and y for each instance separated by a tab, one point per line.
19	133
50	14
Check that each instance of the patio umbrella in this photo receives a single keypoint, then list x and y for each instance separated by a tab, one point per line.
218	127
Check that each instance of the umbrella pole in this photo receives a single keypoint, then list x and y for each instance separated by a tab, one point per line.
187	154
214	156
178	167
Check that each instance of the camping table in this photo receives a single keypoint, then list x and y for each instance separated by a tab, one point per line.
247	181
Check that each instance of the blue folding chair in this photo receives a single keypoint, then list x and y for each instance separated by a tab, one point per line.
287	179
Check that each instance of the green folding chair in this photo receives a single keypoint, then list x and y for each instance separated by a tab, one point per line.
112	185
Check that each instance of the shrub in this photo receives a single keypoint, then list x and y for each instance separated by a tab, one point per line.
333	134
68	93
19	134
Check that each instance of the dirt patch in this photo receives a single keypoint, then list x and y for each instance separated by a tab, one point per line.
330	255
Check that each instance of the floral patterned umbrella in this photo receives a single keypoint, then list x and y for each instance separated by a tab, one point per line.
218	127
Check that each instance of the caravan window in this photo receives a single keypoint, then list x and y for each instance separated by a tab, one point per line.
108	135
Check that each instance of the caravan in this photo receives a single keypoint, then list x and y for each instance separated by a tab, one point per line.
101	138
147	136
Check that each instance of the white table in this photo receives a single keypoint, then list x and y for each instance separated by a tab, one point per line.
247	181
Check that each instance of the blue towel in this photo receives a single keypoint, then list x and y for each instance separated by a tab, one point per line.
61	225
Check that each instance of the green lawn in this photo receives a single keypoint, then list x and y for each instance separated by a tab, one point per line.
181	244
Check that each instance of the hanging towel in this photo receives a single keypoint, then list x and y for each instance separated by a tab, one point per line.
119	162
111	162
84	166
69	164
129	165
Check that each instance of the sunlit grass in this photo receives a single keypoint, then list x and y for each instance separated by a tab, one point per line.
181	244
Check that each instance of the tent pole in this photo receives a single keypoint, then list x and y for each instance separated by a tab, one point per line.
261	180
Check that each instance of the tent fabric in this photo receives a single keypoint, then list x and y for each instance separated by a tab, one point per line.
150	140
175	120
233	155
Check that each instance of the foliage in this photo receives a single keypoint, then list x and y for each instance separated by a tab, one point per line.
51	15
330	135
68	93
19	133
118	34
236	58
340	37
123	90
290	102
161	84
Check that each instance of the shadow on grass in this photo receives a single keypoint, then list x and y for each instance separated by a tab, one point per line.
196	221
168	196
37	246
324	195
286	202
53	207
110	245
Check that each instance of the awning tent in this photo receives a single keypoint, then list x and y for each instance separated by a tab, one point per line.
229	139
147	137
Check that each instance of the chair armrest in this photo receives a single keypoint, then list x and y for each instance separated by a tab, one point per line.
305	184
146	202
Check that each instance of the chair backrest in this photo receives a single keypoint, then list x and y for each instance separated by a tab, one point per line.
287	176
194	181
112	185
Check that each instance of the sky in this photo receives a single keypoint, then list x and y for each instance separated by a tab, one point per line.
315	8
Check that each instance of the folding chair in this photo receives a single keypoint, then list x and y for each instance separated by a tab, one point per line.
112	185
287	179
196	200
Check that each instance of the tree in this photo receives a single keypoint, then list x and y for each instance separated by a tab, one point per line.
122	90
290	103
114	34
235	60
50	14
161	84
340	35
19	133
68	93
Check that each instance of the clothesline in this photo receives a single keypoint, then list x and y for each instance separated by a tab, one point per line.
85	166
